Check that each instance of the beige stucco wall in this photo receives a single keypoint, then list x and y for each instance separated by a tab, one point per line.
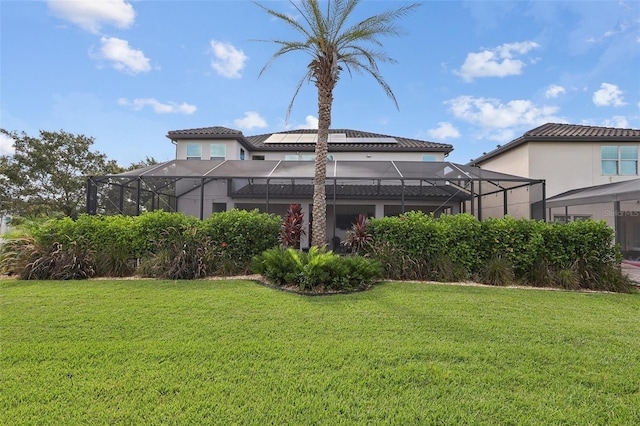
571	165
513	162
564	165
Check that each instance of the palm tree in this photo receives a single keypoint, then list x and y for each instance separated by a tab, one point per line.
333	45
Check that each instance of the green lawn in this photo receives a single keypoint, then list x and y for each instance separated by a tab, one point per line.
234	352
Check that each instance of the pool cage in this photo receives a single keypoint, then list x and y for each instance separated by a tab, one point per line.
202	187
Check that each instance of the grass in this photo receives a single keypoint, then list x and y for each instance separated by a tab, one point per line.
234	352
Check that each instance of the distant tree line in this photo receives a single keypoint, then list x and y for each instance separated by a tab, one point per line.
47	175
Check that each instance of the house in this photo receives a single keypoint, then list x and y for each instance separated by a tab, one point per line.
217	169
577	161
221	143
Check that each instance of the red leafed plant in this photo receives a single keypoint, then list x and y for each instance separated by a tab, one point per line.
291	226
359	237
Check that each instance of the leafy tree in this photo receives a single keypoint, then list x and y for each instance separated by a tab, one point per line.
47	174
334	45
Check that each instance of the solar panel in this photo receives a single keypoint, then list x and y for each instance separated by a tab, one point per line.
310	138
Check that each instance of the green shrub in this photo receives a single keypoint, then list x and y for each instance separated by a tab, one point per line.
179	255
148	228
281	266
567	279
245	234
317	270
497	271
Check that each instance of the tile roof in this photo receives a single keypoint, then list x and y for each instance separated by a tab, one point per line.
552	132
403	144
353	191
257	142
578	131
204	132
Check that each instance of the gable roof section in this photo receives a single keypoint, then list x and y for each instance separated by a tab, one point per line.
215	132
554	132
257	143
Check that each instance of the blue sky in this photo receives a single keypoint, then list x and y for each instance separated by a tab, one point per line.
472	74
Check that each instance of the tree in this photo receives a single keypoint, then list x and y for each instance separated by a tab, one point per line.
333	44
47	175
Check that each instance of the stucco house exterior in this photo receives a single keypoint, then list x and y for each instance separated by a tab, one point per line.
217	169
573	158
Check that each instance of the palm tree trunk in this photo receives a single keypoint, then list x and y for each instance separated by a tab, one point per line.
319	212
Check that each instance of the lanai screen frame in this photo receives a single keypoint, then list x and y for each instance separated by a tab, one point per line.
470	181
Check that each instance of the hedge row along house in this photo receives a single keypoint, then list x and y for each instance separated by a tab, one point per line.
217	169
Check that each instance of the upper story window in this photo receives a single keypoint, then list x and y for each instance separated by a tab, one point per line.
218	151
297	157
619	160
242	154
257	157
429	157
194	151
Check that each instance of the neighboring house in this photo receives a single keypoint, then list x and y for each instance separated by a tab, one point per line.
217	169
572	157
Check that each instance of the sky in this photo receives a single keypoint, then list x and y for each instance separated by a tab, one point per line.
473	74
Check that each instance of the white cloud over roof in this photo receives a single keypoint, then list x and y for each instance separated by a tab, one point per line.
310	122
122	56
91	15
608	95
251	120
227	60
157	106
492	113
496	62
443	131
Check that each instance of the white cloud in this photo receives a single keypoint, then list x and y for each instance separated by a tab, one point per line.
618	121
444	130
228	61
310	122
91	15
497	62
554	91
123	57
157	106
6	145
608	95
491	113
250	120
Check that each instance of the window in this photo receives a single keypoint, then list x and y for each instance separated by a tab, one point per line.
257	157
619	160
194	151
567	219
302	157
218	207
218	151
429	157
241	154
